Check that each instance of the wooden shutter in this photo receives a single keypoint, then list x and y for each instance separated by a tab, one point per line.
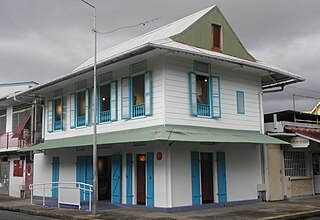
148	93
50	116
193	93
113	100
240	102
125	98
72	110
87	107
215	94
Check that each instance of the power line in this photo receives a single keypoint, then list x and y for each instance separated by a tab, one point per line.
129	26
309	90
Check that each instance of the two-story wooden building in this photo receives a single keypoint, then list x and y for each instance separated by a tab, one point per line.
179	118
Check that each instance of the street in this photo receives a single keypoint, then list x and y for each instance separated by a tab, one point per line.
6	215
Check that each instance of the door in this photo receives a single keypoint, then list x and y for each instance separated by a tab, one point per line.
141	179
206	178
84	174
195	175
222	183
276	184
316	172
150	179
116	179
4	178
55	176
29	179
104	173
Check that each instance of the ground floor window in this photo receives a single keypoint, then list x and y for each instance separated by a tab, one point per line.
295	163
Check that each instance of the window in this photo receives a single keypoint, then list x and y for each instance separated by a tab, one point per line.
108	102
79	109
204	91
240	102
17	118
3	121
55	113
295	163
18	168
216	37
136	95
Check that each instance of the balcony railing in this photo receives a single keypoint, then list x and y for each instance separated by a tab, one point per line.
105	116
81	120
203	110
57	125
9	140
138	110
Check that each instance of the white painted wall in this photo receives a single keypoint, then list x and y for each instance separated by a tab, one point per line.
243	171
15	182
177	101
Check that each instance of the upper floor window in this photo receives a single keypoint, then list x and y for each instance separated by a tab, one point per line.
204	91
79	108
108	102
136	95
240	102
216	38
55	114
3	121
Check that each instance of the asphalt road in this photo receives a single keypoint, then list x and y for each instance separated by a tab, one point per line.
7	215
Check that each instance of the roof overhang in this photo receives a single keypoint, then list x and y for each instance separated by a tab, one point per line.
312	135
171	133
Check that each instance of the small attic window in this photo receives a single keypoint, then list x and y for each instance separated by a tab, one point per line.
216	37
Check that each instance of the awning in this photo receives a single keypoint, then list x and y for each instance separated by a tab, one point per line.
163	132
312	135
21	126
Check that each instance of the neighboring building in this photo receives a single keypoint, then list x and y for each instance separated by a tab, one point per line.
179	118
315	110
20	127
299	161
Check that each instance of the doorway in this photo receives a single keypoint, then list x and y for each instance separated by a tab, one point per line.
4	178
207	177
141	179
104	176
316	172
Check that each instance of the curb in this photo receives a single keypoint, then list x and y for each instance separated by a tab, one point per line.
44	213
297	215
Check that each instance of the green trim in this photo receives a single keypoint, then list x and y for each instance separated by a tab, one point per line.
161	132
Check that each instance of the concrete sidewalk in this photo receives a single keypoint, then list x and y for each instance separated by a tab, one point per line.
297	208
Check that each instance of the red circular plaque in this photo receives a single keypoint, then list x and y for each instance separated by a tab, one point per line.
159	156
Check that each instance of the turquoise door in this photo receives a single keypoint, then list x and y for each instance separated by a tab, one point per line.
84	174
129	178
195	175
150	179
55	176
116	179
222	185
89	174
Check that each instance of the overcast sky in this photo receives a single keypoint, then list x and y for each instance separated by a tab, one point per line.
41	40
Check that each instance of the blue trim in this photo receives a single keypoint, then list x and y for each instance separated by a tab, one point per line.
129	194
116	184
50	129
240	93
190	93
221	174
55	176
195	177
150	179
129	98
215	97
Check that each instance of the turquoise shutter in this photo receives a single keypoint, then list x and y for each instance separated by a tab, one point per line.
222	182
193	93
116	179
148	93
55	176
125	98
72	110
89	175
129	179
215	97
50	116
87	107
81	173
150	179
113	100
195	176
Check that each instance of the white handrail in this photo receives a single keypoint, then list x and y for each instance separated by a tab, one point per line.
62	185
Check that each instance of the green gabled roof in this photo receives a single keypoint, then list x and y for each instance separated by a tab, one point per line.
199	35
161	132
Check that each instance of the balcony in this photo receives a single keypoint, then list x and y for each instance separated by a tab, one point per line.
105	116
57	125
203	110
138	110
11	140
81	120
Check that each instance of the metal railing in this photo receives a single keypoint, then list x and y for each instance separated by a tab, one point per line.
138	110
105	116
203	110
68	192
8	140
58	125
81	120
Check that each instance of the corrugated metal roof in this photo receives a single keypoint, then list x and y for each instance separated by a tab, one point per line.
165	133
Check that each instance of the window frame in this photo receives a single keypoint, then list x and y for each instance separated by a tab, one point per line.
100	100
76	108
131	93
306	165
214	48
243	102
54	113
5	123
